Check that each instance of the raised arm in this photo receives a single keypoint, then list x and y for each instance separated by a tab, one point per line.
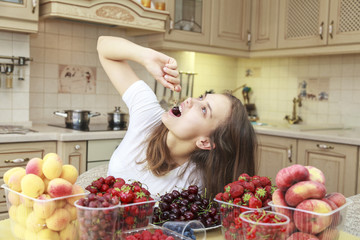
113	53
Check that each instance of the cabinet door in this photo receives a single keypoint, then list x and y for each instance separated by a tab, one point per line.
190	21
264	24
230	23
19	15
344	22
73	153
275	153
337	161
302	23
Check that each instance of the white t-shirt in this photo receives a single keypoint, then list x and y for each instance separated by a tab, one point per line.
144	115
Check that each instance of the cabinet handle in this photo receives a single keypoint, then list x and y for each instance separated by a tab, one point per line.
324	146
170	24
77	147
290	154
331	29
321	30
34	4
17	160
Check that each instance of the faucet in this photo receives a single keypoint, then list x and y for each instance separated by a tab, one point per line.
294	118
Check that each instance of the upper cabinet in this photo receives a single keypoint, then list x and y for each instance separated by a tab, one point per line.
318	22
128	14
19	15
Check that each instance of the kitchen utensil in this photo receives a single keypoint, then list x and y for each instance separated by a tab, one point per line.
77	119
187	85
118	119
180	93
9	75
163	102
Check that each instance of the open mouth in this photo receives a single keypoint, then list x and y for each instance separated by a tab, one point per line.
176	110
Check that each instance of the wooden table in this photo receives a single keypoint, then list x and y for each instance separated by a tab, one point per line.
215	234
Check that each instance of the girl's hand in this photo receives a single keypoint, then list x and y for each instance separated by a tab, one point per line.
164	70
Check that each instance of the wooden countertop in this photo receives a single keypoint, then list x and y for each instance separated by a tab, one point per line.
210	235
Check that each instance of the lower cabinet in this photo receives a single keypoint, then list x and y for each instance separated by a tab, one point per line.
337	161
274	153
17	155
100	151
73	153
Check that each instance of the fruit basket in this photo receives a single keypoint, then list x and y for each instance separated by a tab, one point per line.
151	230
53	218
305	223
230	219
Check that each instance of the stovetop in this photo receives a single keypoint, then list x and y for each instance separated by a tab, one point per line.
91	128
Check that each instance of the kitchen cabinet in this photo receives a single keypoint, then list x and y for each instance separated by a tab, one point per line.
100	151
275	153
73	153
19	15
21	153
318	23
264	24
337	161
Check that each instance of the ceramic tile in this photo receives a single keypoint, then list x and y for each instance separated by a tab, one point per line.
51	85
78	44
50	100
6	115
51	70
6	47
38	54
52	26
20	100
6	35
37	85
65	42
66	28
51	56
36	100
64	57
51	40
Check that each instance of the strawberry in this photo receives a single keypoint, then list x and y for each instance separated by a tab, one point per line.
255	177
109	180
254	202
119	182
219	196
129	220
256	182
237	201
96	184
226	196
235	190
245	177
104	187
265	181
270	190
261	193
126	194
101	180
246	197
116	192
266	202
248	186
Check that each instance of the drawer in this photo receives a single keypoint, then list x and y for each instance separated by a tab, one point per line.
2	192
4	215
24	151
101	149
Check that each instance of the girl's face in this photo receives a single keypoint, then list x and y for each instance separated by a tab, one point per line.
199	116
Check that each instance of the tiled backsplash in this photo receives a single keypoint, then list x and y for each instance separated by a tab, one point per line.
274	81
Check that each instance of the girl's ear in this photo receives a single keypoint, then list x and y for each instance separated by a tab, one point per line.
204	143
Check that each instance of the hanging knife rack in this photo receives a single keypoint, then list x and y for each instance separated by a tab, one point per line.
18	59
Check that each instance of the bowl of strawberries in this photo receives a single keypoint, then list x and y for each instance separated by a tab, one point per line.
245	194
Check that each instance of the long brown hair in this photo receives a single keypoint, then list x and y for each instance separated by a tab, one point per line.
234	152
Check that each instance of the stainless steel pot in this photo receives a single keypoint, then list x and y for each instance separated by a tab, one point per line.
77	119
117	119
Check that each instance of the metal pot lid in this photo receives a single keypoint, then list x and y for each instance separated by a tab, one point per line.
116	111
77	110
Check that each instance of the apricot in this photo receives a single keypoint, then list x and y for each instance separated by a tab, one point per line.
14	182
59	187
69	173
28	202
32	185
44	209
316	174
72	210
18	230
22	212
288	176
30	235
304	190
48	234
52	156
60	203
58	220
13	198
12	212
9	172
34	166
76	189
69	232
34	223
52	168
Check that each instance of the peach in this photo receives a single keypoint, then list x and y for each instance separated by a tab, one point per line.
316	174
46	182
337	198
34	223
28	202
52	156
304	190
336	215
290	175
69	233
9	172
312	223
34	166
329	234
13	198
58	220
15	179
18	230
302	236
52	168
60	203
47	234
22	212
59	187
32	185
12	212
69	173
278	198
44	209
72	210
30	235
76	189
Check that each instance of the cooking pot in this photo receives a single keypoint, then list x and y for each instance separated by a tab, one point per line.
77	119
117	119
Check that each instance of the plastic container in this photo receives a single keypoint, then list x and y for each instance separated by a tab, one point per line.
191	229
152	229
230	220
326	224
52	217
97	223
258	230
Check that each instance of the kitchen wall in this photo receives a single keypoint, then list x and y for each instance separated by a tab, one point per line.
14	102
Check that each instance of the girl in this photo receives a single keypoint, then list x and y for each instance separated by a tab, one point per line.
206	141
